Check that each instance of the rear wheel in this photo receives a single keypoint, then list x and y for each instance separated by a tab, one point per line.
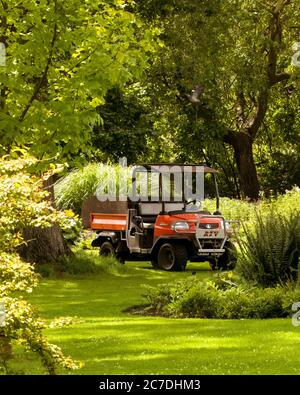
107	249
172	257
228	260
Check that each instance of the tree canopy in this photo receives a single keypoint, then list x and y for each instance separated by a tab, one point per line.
62	57
105	79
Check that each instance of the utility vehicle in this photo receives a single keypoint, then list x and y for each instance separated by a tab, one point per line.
168	231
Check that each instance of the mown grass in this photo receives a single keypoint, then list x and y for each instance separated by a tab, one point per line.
110	341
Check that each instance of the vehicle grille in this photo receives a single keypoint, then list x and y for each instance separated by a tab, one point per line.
209	226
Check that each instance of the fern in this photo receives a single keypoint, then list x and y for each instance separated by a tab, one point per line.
269	248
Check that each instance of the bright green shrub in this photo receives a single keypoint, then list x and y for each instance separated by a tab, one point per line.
72	190
269	249
78	185
246	211
199	301
70	225
233	208
207	300
22	204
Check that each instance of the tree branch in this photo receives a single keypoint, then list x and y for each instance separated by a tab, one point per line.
240	109
44	75
230	137
275	35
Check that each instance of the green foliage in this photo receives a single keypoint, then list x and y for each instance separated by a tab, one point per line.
270	247
219	45
84	241
126	130
49	98
221	298
24	205
232	208
110	341
45	270
72	190
89	263
78	185
70	225
246	211
17	189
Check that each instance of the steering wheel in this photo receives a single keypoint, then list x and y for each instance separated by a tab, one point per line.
194	205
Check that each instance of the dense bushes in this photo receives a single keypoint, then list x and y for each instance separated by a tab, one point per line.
269	249
246	211
23	204
219	299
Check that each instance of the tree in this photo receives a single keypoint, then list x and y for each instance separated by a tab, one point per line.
126	129
62	57
240	51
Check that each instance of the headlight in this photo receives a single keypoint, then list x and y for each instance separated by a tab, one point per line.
227	225
228	229
180	226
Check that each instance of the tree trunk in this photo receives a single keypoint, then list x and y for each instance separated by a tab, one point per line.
44	245
243	153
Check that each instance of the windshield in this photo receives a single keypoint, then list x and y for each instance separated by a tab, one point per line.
189	185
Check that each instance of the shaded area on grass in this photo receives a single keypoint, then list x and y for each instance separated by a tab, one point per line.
112	342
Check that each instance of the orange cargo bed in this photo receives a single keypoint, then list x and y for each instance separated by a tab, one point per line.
108	221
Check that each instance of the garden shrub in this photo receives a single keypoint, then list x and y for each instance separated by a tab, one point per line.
45	270
73	189
193	298
246	211
23	204
269	249
70	225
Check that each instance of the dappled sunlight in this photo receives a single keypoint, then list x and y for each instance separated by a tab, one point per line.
112	342
131	357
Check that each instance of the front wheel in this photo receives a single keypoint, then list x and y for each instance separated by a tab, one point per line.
172	257
228	260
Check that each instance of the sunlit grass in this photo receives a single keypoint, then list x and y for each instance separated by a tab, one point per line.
111	342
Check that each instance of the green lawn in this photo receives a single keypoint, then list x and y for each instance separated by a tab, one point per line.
111	342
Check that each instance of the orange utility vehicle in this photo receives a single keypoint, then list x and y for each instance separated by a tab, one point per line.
166	232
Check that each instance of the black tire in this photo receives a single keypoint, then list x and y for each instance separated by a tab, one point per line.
228	260
172	257
107	249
